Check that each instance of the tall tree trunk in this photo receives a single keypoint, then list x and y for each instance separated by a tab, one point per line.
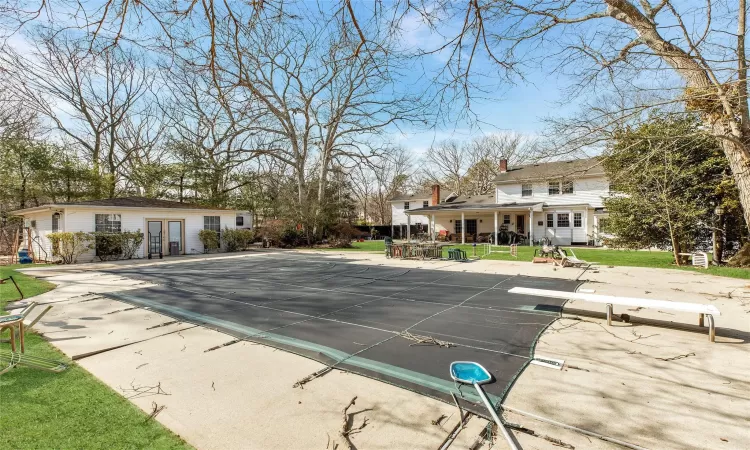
718	244
23	193
738	162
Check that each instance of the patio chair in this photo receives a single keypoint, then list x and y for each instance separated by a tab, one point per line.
572	260
14	323
700	259
456	254
11	359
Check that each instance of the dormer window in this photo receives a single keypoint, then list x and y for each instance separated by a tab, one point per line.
406	206
425	204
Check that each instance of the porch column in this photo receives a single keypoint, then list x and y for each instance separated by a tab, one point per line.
495	228
463	229
408	228
585	223
432	227
531	227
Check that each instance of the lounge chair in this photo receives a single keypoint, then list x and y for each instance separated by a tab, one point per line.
456	254
11	359
572	260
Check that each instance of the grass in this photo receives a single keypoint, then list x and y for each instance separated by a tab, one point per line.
606	257
69	410
366	246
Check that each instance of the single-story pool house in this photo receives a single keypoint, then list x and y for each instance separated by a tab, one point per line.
162	223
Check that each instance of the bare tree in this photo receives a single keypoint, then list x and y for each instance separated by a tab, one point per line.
88	98
211	143
317	107
470	168
446	163
392	174
363	184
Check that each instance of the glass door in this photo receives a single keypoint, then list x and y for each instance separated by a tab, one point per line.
520	224
175	234
154	237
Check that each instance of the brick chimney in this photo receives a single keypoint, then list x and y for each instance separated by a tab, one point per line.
435	200
503	166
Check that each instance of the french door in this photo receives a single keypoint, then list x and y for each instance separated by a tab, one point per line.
155	237
162	233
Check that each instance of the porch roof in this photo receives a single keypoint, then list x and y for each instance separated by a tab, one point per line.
488	207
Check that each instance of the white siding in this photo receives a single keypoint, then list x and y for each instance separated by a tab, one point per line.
565	235
487	224
399	218
585	191
39	234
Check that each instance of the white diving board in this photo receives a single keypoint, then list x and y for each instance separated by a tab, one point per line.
609	300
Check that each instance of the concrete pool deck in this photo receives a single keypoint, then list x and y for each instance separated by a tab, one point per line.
614	383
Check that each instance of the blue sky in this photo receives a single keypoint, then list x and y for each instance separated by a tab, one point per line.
517	107
506	107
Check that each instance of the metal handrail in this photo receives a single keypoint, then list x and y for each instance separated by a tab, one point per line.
36	239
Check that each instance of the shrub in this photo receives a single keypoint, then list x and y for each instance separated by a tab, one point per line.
291	237
131	242
342	235
237	239
231	240
209	239
246	237
270	232
69	246
108	245
111	246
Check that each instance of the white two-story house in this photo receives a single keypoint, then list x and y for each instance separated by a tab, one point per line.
561	200
401	205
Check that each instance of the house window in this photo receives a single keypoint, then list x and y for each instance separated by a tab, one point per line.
553	188
577	220
526	190
567	187
212	223
240	221
406	206
550	221
457	223
563	220
108	223
506	219
55	222
425	204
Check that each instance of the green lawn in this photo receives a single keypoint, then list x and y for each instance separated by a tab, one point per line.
605	257
366	246
69	410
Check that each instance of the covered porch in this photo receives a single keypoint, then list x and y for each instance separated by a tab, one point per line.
503	224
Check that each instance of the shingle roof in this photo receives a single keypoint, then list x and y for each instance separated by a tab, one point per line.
139	202
571	169
452	207
473	202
